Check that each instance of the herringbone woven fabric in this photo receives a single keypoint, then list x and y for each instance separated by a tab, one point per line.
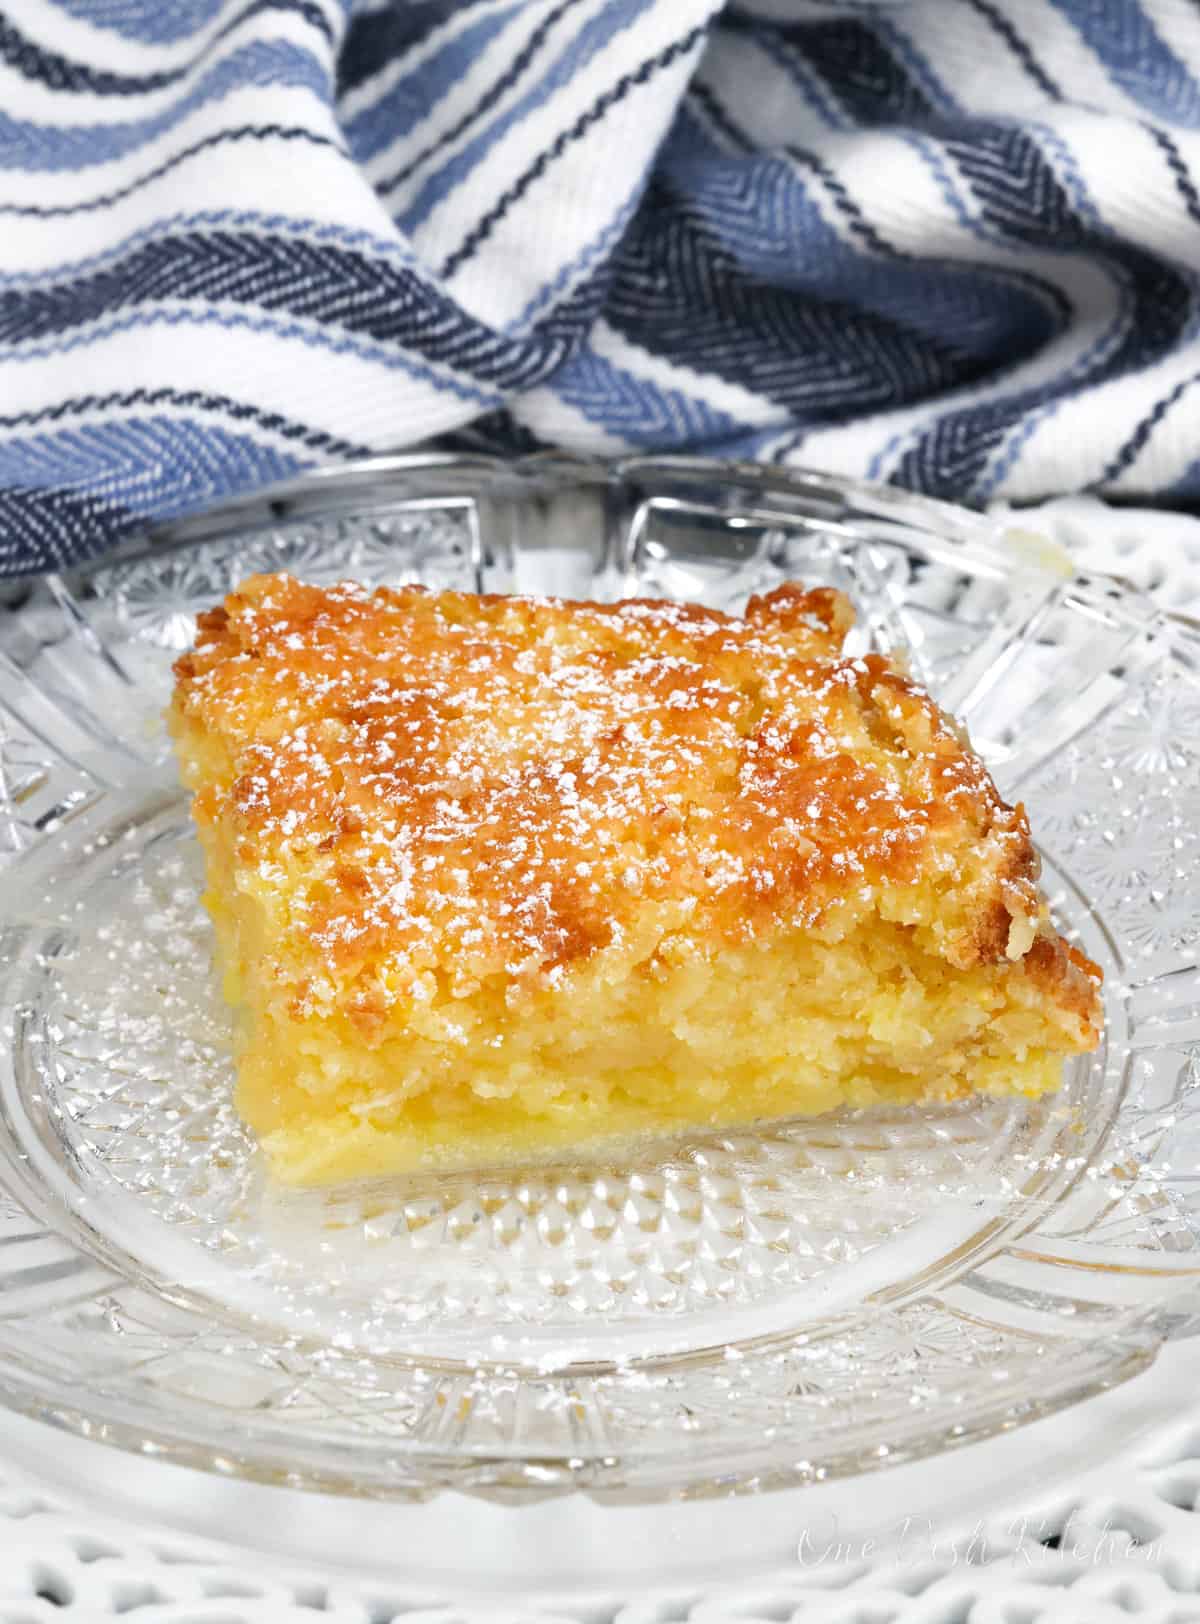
953	244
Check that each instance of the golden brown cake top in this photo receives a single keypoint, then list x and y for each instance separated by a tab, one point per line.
503	786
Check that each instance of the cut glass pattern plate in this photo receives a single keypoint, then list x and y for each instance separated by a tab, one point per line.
759	1309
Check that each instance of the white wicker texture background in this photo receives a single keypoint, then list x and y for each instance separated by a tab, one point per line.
1120	1541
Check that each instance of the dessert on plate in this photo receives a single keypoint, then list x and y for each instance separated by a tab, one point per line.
497	877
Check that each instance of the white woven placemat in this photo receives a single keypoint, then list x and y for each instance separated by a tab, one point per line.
1085	1518
1092	1516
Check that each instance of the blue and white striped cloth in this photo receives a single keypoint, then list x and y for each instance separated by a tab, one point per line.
953	244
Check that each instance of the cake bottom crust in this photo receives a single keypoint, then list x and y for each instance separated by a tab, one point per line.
790	1027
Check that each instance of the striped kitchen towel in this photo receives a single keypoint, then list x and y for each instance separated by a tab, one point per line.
951	244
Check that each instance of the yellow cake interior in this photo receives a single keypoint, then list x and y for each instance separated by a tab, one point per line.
495	879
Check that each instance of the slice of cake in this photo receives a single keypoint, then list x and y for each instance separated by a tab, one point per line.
494	877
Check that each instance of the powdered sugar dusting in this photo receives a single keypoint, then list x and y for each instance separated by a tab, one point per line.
500	787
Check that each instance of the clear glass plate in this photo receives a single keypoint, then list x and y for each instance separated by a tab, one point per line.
745	1311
